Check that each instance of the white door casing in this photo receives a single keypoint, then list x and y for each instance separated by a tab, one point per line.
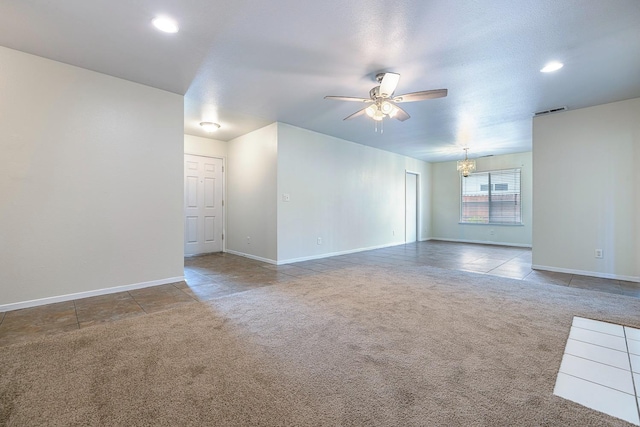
411	207
203	206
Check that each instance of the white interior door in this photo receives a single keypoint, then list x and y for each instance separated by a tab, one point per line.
411	208
202	205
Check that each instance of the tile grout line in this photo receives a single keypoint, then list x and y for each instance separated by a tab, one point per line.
600	332
597	345
601	363
75	310
598	384
139	305
633	382
182	291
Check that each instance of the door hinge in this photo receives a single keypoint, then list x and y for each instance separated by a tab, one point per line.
222	169
223	203
222	236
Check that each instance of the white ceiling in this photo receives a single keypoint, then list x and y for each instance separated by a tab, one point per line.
247	63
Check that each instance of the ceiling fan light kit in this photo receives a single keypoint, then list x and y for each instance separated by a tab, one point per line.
383	103
379	111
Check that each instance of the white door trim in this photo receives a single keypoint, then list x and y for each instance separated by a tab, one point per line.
418	204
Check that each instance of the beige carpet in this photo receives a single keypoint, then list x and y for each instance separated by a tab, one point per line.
364	347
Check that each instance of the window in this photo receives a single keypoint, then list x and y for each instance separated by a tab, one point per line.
491	198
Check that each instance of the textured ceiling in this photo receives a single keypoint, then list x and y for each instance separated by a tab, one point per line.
247	63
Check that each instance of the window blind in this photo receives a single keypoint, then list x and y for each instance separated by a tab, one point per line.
491	197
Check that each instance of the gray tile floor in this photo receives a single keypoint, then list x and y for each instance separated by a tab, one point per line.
213	276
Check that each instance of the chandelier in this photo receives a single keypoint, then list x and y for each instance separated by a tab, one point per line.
466	166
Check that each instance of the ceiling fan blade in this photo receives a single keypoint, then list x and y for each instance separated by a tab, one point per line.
388	84
421	96
356	114
348	98
401	114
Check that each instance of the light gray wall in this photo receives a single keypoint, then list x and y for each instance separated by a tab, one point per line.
251	178
587	190
90	181
445	199
350	195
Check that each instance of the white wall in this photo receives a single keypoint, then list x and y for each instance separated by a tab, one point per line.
446	203
350	195
200	146
90	181
587	190
251	197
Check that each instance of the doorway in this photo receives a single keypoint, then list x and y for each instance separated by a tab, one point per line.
203	205
411	207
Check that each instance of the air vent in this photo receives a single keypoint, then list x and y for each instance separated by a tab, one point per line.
553	110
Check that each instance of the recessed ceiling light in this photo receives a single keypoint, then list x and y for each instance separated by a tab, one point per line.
165	24
552	66
210	126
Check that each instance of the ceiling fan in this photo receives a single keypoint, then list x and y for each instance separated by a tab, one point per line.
382	101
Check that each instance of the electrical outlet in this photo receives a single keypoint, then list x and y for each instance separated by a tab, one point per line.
492	232
319	240
286	197
248	240
599	253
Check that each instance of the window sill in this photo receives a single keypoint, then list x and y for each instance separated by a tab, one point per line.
493	224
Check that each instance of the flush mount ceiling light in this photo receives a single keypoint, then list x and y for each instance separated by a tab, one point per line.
466	166
552	66
165	24
210	126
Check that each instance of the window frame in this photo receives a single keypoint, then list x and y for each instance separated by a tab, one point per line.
489	192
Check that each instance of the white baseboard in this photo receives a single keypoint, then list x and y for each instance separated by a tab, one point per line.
587	273
330	254
482	242
257	258
86	294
